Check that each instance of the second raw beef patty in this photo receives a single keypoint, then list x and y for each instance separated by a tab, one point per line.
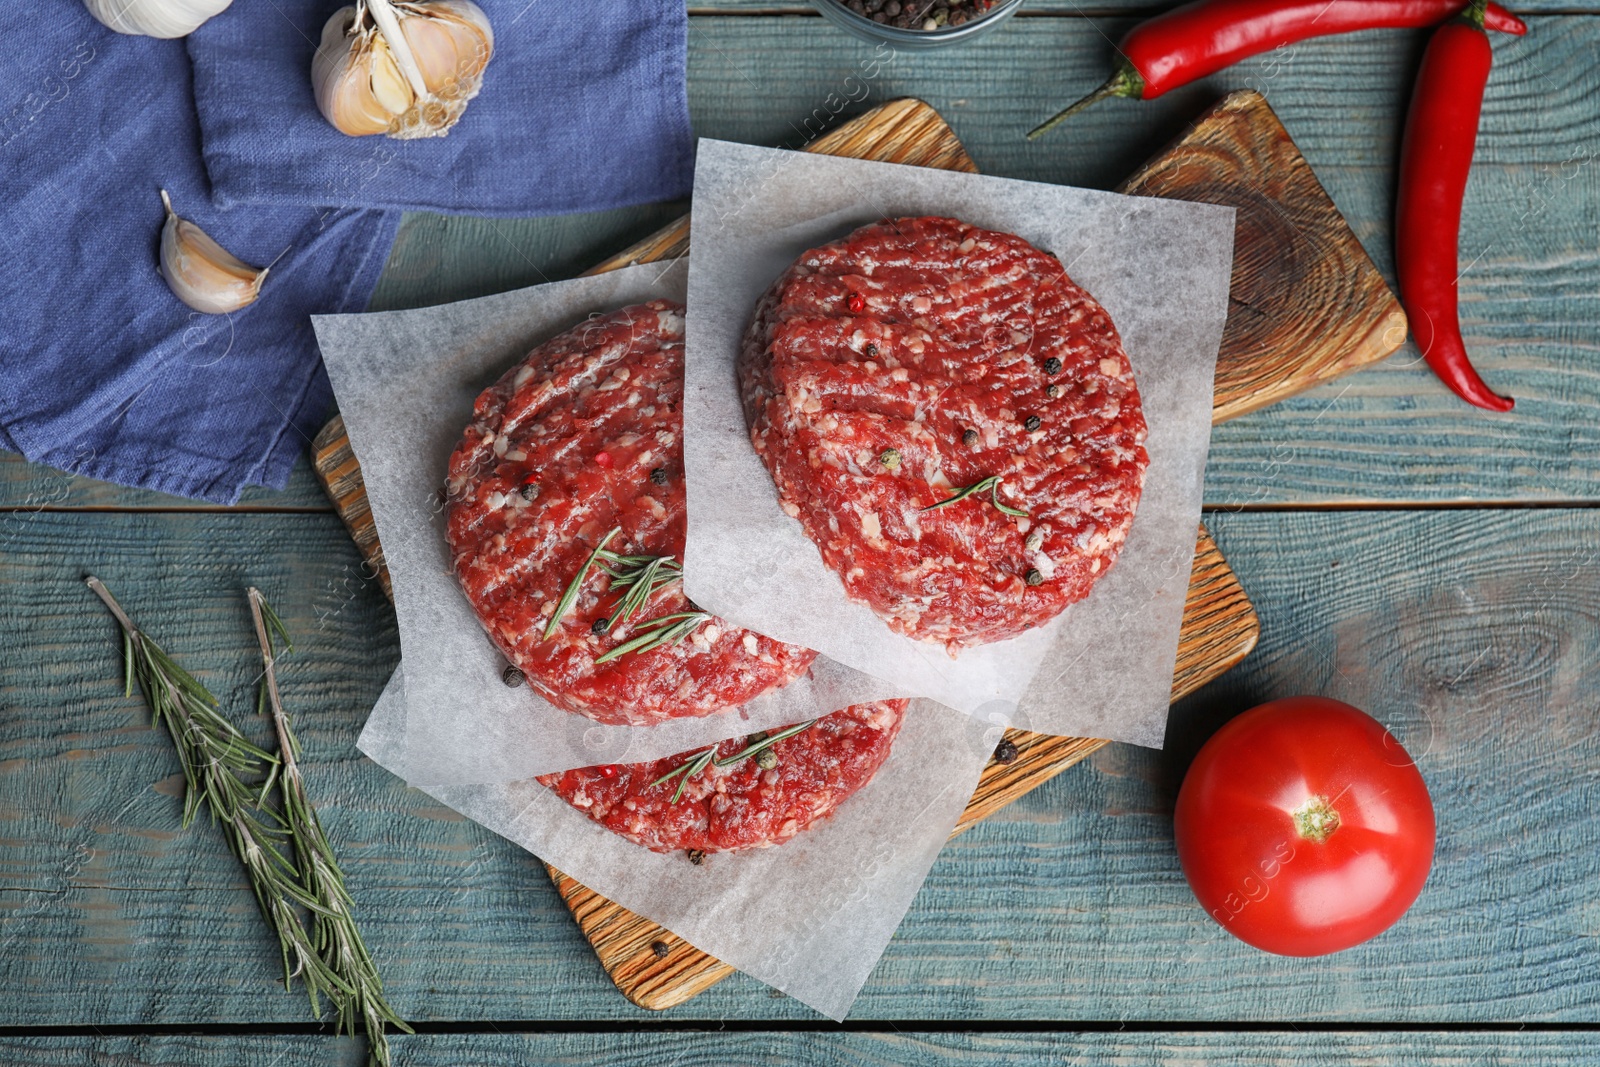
887	372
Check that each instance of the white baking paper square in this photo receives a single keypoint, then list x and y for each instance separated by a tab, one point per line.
1159	267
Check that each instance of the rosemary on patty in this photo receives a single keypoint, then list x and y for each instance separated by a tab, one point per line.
992	485
757	745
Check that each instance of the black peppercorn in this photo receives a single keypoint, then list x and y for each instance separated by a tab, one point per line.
696	857
970	438
659	476
513	675
660	948
1033	577
600	625
871	351
1052	365
1052	390
1031	423
529	490
1005	752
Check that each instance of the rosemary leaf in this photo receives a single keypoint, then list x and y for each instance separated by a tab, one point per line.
576	584
665	630
358	994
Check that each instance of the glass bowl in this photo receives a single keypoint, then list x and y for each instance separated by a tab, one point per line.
912	40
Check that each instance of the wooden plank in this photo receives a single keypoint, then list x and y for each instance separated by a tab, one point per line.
1218	1049
1474	634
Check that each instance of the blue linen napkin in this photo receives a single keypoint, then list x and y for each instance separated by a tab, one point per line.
103	372
583	108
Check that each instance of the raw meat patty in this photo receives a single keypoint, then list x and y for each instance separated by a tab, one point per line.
740	805
583	436
886	371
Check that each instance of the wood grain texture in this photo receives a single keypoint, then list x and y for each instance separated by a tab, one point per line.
653	967
1156	1049
1474	635
1305	303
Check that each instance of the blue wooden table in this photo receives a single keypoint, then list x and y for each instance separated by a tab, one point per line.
1407	553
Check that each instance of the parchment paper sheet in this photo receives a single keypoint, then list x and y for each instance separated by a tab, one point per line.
405	381
1159	267
810	917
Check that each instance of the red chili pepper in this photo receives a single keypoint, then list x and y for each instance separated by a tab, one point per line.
603	459
1435	156
856	303
1201	38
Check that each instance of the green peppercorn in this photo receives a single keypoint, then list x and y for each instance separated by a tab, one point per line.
890	457
766	759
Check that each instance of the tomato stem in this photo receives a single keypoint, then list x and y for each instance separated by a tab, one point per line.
1316	819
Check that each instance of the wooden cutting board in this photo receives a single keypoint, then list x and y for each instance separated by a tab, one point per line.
1306	306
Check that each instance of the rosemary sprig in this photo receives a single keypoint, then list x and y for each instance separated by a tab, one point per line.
992	484
333	927
217	761
665	630
700	760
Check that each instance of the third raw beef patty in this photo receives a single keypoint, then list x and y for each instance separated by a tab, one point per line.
952	420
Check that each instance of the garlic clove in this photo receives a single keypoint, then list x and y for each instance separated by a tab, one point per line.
155	18
201	272
451	43
341	76
390	89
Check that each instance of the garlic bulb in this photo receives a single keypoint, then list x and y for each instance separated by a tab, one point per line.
406	68
155	18
201	272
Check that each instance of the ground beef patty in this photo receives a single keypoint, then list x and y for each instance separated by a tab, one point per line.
742	805
886	372
583	436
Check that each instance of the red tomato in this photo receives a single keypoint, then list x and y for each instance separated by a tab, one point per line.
1304	827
